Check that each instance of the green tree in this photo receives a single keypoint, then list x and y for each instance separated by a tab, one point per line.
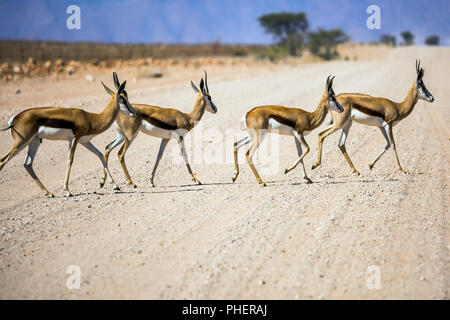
388	39
288	29
408	38
432	40
323	43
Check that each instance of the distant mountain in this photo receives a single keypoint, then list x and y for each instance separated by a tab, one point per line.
230	21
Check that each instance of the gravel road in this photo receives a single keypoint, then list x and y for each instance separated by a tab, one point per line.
221	240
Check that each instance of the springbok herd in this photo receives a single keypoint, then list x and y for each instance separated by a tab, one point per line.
77	126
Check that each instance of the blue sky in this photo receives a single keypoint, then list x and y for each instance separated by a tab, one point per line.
199	21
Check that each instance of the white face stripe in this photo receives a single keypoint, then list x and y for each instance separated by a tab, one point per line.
333	105
209	106
424	94
124	109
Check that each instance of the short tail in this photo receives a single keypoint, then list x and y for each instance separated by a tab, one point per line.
244	123
10	127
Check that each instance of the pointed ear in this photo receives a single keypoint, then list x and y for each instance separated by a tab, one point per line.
194	87
116	80
108	90
202	86
206	82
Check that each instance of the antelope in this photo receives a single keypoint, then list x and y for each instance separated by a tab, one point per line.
284	121
164	123
30	126
380	112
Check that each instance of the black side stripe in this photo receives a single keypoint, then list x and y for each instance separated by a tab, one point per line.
283	121
56	123
158	123
368	111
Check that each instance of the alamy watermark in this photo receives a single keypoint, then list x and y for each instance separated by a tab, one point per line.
374	20
206	146
74	19
73	282
373	277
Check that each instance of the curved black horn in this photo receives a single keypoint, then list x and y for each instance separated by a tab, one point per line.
418	66
206	82
330	84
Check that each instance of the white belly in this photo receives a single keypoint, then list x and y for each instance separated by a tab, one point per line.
279	128
55	133
366	119
152	130
86	139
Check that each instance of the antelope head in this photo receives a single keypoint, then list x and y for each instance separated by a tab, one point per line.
333	104
121	97
424	94
206	97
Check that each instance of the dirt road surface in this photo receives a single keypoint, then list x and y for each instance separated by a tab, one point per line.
331	239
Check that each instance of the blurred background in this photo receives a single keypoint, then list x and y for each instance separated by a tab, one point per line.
35	32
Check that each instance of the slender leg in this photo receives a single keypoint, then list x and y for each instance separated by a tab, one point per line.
183	153
385	133
237	146
118	140
72	146
342	141
94	150
299	152
322	137
16	148
33	147
121	156
249	154
162	147
300	139
8	157
391	136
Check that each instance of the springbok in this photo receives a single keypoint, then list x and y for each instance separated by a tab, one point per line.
164	123
285	121
373	111
30	126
